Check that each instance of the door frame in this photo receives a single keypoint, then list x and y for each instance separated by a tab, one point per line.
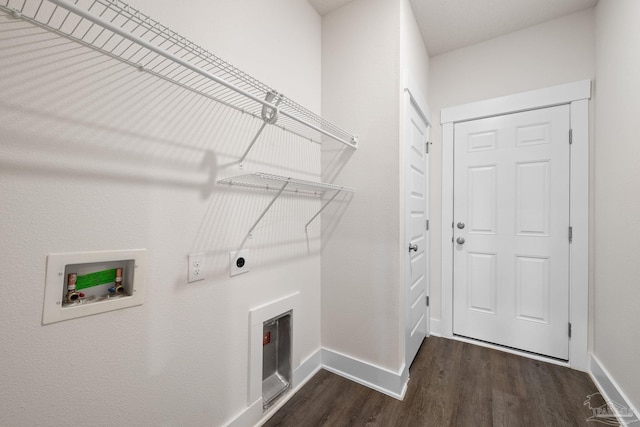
412	95
576	95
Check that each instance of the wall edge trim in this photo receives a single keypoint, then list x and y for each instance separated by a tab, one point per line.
253	414
435	327
611	391
539	98
391	383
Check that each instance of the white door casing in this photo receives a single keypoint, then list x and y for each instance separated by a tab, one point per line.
416	185
576	95
511	214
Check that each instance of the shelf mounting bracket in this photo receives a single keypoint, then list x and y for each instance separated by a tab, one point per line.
321	209
269	116
264	212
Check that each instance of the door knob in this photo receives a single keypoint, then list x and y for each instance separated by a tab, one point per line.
460	240
460	225
413	248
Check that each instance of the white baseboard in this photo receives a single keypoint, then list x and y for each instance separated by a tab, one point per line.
391	383
625	412
307	369
248	417
383	380
254	415
435	327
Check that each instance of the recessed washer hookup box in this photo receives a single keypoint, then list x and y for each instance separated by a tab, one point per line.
84	283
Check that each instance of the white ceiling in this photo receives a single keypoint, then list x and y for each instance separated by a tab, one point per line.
325	6
451	24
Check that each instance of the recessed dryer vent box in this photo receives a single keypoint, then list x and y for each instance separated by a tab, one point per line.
276	358
85	283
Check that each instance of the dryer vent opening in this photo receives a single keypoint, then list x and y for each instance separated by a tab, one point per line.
276	358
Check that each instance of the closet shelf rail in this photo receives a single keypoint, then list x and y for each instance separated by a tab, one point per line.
275	182
281	184
116	29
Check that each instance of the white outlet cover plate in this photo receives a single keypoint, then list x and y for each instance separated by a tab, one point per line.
234	270
196	267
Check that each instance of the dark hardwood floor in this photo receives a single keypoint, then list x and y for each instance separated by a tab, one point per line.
452	384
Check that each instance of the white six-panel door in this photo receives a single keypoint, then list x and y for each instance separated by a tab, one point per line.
511	230
416	196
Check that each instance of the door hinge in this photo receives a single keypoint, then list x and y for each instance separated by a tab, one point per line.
427	221
570	136
569	329
570	234
426	147
427	300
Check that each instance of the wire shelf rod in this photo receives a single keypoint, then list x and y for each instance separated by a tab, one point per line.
98	20
270	181
184	43
154	73
65	22
280	184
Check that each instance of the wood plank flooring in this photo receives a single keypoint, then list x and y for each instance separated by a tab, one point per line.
452	384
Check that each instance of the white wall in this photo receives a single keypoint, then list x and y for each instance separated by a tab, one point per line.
413	54
360	253
617	202
367	47
95	155
552	53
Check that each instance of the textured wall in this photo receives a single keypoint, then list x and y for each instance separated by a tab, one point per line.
360	253
413	55
95	155
617	202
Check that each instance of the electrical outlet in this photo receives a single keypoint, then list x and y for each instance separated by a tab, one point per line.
196	267
238	262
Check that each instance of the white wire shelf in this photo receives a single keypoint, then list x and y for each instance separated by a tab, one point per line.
281	184
276	182
124	33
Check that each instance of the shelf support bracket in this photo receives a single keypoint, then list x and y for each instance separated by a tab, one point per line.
321	209
269	116
253	141
255	224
